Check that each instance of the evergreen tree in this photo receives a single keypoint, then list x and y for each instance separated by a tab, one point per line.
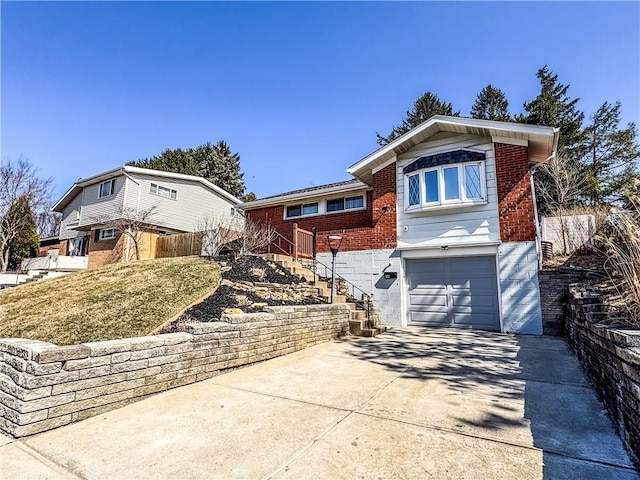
611	154
425	107
216	163
552	107
491	104
26	242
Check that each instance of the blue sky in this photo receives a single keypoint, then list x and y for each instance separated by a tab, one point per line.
299	90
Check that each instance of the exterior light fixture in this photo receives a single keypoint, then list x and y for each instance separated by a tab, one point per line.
334	242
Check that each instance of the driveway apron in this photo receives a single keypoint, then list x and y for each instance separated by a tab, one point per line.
412	403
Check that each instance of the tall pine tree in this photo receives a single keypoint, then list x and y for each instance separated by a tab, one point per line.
611	154
491	104
552	107
425	107
215	162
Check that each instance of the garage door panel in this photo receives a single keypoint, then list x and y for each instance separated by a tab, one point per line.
440	319
428	299
474	319
458	291
474	301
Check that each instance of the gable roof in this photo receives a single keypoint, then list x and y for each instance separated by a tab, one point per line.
304	193
542	141
84	182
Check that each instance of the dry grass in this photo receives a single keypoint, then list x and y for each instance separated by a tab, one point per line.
107	303
620	241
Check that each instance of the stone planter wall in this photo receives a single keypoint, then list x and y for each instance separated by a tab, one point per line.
610	357
44	386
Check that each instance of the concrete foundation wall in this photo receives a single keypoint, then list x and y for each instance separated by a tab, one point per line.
44	386
366	269
610	357
520	294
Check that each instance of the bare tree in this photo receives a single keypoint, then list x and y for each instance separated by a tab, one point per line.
48	224
19	179
559	186
218	231
221	231
131	223
257	237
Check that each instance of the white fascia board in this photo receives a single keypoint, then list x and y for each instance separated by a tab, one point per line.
305	195
497	127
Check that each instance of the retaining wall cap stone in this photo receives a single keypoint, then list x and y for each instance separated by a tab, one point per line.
247	317
60	354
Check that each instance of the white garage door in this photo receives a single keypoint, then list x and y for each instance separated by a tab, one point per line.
459	291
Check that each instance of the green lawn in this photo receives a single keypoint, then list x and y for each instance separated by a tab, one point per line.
107	303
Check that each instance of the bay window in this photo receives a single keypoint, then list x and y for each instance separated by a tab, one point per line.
450	184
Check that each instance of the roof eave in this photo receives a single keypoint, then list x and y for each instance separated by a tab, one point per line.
361	168
304	195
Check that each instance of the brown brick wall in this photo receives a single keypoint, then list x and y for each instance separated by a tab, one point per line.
106	252
362	230
515	198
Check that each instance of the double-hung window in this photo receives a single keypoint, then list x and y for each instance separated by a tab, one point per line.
106	188
450	184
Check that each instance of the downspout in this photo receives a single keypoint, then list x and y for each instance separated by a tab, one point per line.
532	171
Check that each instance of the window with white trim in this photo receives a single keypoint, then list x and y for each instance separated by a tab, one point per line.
106	188
107	234
302	210
346	203
451	184
163	191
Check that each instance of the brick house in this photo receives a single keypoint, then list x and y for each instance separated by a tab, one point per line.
440	225
179	203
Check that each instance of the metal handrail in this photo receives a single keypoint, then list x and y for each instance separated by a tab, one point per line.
280	237
353	288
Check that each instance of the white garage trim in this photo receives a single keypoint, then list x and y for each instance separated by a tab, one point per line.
466	251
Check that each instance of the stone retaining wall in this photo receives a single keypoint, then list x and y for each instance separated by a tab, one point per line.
554	294
610	357
44	386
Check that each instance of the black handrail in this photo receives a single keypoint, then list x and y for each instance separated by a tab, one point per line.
353	288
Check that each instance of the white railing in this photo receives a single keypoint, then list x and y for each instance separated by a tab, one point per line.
60	262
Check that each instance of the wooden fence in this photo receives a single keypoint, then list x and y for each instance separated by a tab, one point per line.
180	245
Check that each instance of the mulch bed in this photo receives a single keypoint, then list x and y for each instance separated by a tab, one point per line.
245	270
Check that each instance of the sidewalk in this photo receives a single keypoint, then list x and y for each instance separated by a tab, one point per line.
412	403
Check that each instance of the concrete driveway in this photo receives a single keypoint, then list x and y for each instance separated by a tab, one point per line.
412	403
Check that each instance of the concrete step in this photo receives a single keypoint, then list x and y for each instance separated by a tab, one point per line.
358	315
337	298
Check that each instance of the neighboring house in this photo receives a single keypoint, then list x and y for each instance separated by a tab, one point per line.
440	224
179	203
48	243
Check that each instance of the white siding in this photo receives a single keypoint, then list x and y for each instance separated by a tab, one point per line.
193	202
70	217
461	225
520	293
365	269
97	210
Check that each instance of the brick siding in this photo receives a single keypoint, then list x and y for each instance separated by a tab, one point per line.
367	229
515	198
